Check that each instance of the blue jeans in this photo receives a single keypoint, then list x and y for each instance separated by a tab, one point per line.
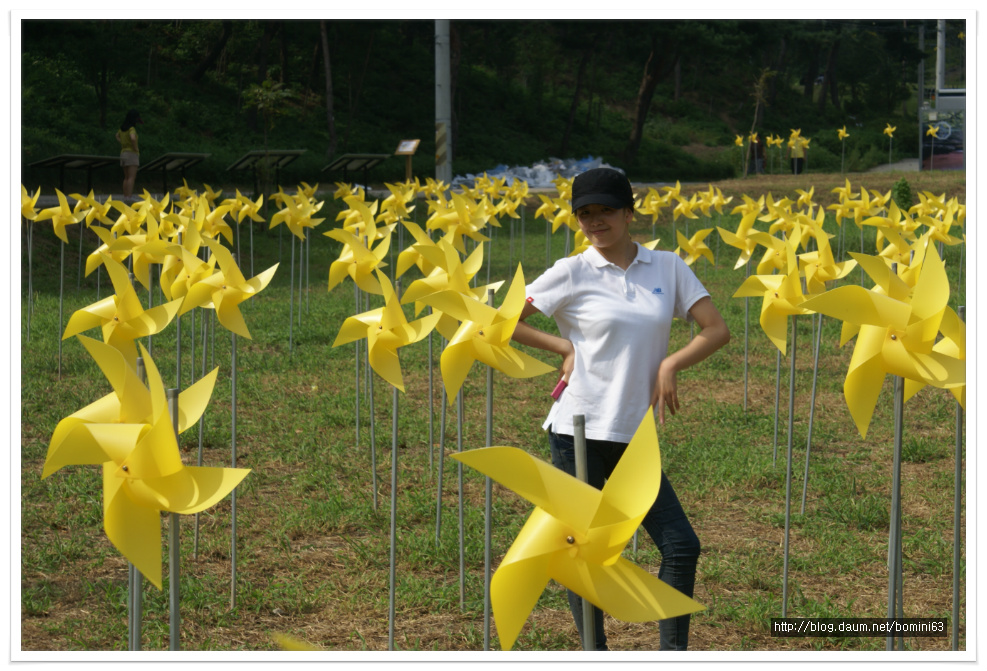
666	523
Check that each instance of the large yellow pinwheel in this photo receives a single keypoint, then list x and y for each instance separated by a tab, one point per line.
386	329
695	247
781	295
484	335
121	316
898	327
449	274
357	261
226	289
131	434
576	534
61	216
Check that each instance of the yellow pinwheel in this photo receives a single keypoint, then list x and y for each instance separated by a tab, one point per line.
449	274
739	140
889	130
226	289
819	266
781	296
357	261
575	536
484	335
842	134
61	216
898	327
28	202
693	248
121	316
130	433
386	329
297	214
933	130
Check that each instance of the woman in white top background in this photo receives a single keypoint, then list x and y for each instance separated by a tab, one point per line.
614	305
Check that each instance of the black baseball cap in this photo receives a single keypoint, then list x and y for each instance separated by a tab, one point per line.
604	186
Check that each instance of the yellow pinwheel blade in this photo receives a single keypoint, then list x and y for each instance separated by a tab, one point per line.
135	530
624	590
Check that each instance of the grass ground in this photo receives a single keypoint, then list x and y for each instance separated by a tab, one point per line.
312	546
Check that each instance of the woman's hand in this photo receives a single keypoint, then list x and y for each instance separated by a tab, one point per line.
713	334
568	361
666	390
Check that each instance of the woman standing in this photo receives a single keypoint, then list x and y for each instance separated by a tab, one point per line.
614	306
129	152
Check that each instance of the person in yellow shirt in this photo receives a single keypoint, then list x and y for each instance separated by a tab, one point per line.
129	151
797	149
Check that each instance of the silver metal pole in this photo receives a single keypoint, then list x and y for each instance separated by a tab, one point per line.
373	433
61	294
291	298
812	412
394	514
582	473
233	465
488	505
774	460
442	454
135	579
957	507
356	399
30	276
894	534
202	419
747	320
788	472
174	549
462	545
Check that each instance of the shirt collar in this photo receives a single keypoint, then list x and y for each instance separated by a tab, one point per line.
597	260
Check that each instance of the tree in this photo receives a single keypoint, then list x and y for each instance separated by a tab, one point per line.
661	62
329	107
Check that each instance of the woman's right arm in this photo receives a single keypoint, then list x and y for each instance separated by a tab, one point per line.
532	337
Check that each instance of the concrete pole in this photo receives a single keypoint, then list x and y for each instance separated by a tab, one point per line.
940	58
443	103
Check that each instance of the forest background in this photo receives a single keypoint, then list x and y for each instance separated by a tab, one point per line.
661	99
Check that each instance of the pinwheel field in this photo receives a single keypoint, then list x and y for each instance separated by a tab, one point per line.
312	532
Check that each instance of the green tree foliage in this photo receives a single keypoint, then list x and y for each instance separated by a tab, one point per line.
522	90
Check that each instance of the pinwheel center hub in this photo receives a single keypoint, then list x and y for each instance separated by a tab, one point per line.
570	540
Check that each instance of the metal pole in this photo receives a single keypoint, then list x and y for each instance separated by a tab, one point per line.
174	548
373	434
442	454
291	297
894	534
957	503
61	293
30	275
747	319
812	412
582	474
462	547
431	402
788	472
488	504
233	465
394	513
774	461
202	424
356	399
135	579
78	283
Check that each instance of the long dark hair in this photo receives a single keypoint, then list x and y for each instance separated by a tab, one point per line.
129	121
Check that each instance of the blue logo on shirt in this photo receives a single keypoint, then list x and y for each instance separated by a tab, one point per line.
657	291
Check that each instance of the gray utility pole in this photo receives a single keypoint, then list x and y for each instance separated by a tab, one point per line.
443	103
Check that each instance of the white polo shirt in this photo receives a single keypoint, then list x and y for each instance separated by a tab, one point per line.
619	323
